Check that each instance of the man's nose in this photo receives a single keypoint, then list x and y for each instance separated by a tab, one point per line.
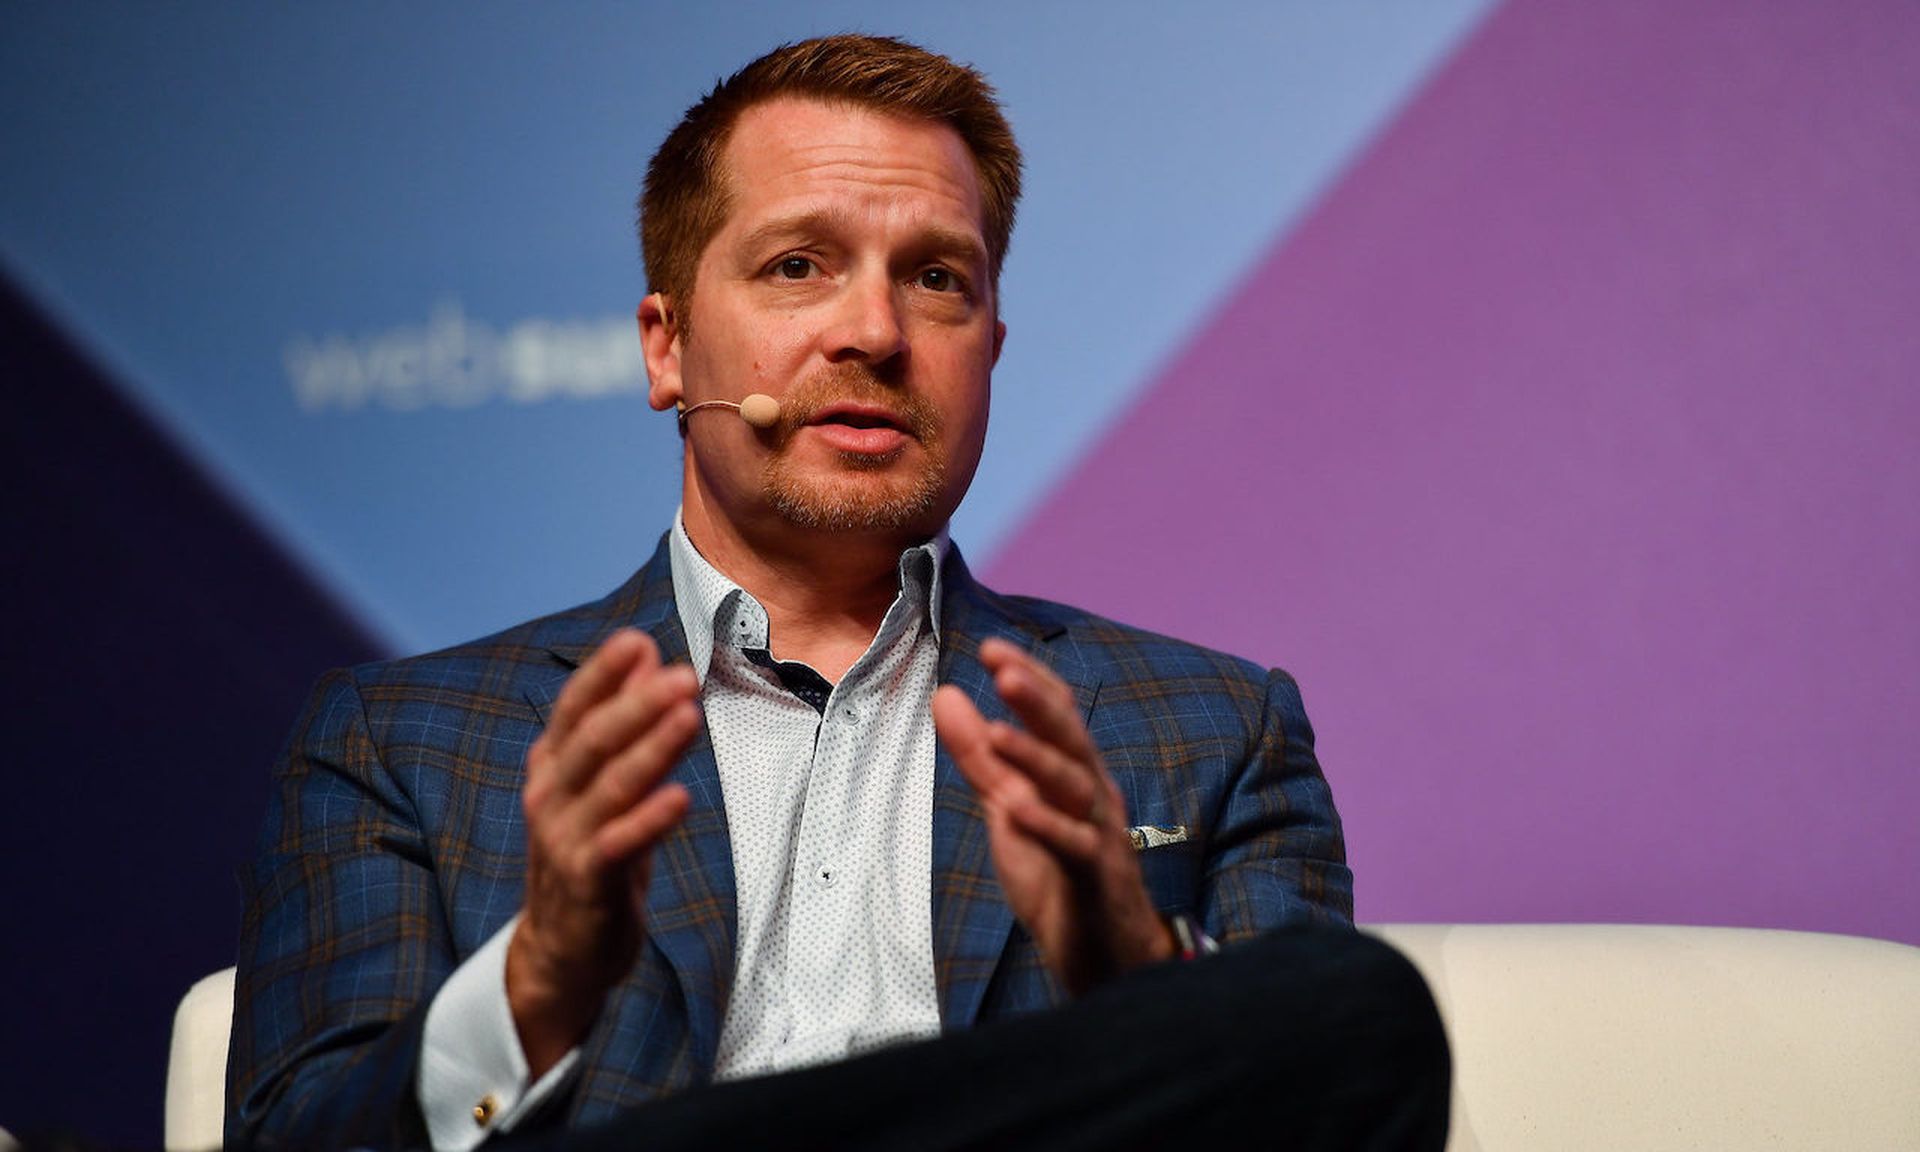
868	324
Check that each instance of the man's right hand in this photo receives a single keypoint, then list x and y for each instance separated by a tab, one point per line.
595	808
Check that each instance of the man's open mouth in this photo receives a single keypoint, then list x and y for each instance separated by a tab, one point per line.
860	416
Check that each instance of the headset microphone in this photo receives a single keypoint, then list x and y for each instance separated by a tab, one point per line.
758	409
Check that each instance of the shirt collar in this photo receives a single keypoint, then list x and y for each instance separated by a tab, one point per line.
703	593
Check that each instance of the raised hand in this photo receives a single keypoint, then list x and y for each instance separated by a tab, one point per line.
1056	821
595	806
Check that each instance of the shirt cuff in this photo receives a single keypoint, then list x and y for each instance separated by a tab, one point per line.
473	1075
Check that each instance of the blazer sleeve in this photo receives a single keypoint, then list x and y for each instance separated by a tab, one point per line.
343	942
1277	854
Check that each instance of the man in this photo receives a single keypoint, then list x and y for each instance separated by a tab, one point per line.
801	790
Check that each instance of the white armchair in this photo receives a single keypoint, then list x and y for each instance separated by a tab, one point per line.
1565	1036
197	1065
1578	1037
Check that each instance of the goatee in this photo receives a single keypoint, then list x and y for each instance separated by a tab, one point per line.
855	498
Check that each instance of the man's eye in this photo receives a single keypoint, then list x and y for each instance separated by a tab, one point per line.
794	268
938	280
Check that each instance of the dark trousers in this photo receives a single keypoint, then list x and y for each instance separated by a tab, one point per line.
1308	1039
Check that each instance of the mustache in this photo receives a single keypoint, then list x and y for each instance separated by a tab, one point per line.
857	383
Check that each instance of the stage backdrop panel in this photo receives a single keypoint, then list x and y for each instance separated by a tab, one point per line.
1569	453
375	265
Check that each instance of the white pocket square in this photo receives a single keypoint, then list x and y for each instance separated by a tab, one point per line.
1154	835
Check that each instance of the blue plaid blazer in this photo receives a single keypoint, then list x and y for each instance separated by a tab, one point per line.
393	847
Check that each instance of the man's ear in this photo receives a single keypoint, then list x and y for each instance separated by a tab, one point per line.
999	338
660	344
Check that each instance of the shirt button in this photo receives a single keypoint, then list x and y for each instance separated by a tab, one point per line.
850	714
826	877
483	1112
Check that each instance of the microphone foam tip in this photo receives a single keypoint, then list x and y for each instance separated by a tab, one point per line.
760	410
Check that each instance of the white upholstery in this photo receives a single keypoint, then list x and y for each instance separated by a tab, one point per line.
1576	1037
1565	1037
197	1065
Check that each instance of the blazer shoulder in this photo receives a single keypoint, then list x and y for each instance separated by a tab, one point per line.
1101	641
552	644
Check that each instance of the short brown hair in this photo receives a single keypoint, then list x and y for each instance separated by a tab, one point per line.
686	200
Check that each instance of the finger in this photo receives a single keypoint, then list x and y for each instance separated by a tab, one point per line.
1069	771
1037	695
599	678
625	781
633	833
617	722
964	731
1076	843
638	768
1059	779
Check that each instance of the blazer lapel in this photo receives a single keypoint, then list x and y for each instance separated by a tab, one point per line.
972	920
691	898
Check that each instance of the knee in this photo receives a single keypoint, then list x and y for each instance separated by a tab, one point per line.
1354	994
1339	1024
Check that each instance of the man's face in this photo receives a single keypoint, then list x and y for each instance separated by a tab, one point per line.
849	282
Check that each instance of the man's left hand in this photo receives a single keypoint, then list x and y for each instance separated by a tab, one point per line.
1056	821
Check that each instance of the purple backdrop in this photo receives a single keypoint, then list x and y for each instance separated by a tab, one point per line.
1567	454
